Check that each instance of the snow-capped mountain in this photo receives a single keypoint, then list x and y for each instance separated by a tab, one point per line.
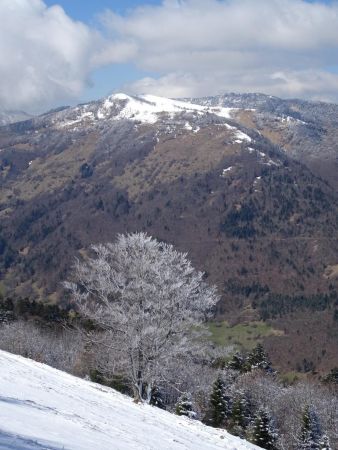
247	184
307	130
142	108
167	114
149	108
43	408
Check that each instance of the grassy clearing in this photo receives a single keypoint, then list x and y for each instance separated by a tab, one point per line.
244	335
290	378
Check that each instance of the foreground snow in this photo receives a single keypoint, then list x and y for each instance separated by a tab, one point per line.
43	408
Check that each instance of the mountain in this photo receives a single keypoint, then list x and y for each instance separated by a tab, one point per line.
7	117
44	408
307	131
246	184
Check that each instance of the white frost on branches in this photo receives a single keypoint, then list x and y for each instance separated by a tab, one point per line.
148	303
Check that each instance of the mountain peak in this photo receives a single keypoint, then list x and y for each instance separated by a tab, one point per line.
149	108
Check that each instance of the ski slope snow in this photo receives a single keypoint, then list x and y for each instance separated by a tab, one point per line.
44	408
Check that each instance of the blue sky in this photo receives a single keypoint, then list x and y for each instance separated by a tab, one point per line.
83	50
106	79
86	10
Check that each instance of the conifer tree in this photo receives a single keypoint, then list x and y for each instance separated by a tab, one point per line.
332	377
237	362
311	434
325	443
258	359
264	434
156	398
184	406
219	403
240	415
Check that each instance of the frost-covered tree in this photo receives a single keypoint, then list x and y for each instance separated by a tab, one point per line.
311	434
184	406
146	303
324	443
264	434
238	362
240	415
289	405
258	359
62	349
219	403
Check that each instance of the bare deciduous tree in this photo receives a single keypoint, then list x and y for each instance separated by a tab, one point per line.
287	403
148	303
62	349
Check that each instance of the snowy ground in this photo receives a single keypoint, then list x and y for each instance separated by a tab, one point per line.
148	108
43	408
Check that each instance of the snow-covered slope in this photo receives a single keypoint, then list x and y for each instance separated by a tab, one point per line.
148	109
43	408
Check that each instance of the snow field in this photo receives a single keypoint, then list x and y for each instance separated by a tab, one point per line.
43	408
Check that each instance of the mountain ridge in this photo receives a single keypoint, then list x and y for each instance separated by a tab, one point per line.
230	187
8	117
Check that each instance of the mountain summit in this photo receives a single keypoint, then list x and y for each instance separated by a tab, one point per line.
246	184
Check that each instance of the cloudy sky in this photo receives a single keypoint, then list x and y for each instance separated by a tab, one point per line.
56	52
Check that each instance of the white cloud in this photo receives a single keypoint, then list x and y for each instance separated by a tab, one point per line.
192	48
203	47
312	84
45	57
43	54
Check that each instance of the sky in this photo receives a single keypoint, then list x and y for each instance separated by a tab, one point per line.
60	52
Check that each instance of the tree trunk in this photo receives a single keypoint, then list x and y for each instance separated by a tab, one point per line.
137	388
149	389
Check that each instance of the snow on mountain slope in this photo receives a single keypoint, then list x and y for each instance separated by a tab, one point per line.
148	108
43	408
169	115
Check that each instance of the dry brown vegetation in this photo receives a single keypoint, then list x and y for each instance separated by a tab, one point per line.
253	237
